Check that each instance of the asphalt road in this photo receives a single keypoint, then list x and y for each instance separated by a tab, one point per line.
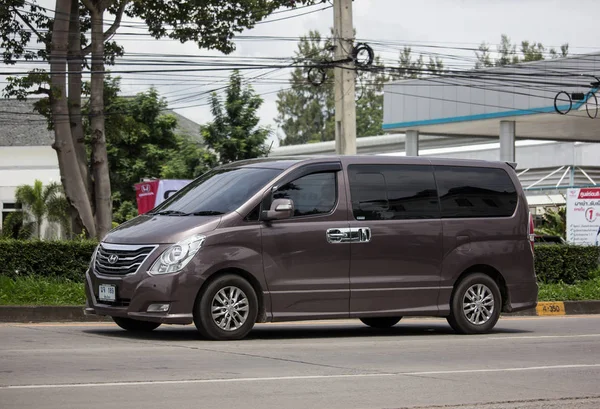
528	362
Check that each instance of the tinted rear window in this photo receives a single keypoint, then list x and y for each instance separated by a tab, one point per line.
393	192
475	192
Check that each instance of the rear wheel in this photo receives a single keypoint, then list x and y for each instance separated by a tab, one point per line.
381	322
135	325
226	309
476	304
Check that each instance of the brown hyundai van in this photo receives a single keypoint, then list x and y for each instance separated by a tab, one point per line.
368	237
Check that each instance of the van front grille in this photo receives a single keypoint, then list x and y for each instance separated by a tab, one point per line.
119	259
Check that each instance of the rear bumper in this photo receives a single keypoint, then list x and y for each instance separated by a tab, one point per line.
522	296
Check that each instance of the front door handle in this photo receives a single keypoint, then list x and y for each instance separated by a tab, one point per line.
338	235
347	235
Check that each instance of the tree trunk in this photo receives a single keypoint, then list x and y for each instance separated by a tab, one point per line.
63	144
75	65
102	197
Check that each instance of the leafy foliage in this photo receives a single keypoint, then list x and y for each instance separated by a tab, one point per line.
39	202
234	133
507	53
306	112
566	264
142	142
582	290
32	290
409	67
66	259
14	226
554	223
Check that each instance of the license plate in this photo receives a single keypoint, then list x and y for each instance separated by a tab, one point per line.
107	292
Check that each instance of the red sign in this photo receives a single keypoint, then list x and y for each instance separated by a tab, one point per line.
589	193
151	194
145	194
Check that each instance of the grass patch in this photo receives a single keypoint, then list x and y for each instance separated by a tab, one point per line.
579	291
32	290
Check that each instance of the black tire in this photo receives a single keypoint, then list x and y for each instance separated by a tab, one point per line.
458	317
381	322
135	325
203	317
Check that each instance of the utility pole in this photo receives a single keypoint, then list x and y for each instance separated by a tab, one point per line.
345	106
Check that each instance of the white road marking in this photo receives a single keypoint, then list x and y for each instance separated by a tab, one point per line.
295	378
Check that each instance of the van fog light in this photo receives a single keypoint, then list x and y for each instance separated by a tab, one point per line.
158	308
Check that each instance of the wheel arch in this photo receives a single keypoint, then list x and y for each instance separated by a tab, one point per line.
492	273
262	308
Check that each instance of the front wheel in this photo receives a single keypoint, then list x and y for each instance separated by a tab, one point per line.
381	322
135	325
476	304
226	309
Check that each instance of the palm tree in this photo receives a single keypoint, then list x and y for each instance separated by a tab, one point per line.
43	201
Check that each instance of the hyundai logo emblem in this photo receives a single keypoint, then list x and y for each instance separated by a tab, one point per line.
113	258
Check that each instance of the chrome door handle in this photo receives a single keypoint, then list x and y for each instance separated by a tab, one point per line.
347	235
360	234
338	235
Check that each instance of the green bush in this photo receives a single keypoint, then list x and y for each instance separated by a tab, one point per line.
64	259
566	264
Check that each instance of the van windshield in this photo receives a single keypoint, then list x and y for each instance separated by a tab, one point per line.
216	192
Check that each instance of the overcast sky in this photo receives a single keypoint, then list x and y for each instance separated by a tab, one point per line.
454	24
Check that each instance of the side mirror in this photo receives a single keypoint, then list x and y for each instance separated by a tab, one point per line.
280	209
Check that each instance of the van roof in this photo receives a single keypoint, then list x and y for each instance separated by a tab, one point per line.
283	162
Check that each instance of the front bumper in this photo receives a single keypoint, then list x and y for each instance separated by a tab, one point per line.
137	292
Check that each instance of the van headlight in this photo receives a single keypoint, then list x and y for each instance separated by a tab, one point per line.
176	257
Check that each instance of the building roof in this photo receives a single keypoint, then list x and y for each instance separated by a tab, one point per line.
20	125
472	103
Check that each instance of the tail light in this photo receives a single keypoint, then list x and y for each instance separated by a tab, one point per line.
531	231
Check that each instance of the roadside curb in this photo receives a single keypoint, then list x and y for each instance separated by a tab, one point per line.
555	308
23	314
26	314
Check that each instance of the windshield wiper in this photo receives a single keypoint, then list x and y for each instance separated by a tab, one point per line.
170	213
207	213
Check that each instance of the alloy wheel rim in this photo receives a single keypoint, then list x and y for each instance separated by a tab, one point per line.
478	304
230	308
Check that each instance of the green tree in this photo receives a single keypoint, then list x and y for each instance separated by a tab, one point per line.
142	142
507	53
211	24
410	67
306	112
41	202
235	134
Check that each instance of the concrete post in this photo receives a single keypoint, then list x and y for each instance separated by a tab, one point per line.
411	145
344	77
507	141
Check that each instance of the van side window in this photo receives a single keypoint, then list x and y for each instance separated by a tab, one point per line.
312	194
475	192
393	192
